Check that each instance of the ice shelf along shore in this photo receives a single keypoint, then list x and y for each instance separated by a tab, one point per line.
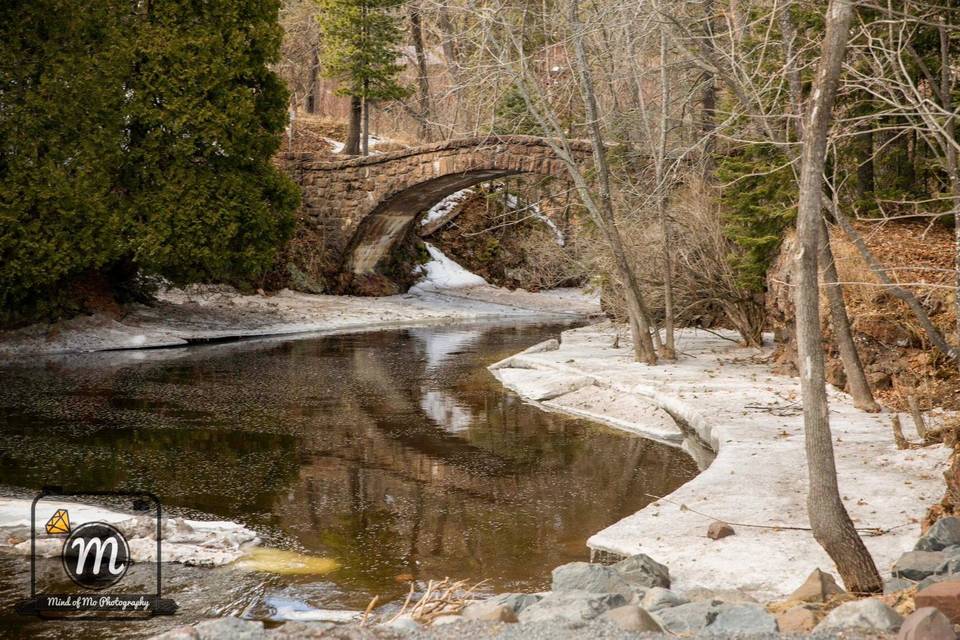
757	482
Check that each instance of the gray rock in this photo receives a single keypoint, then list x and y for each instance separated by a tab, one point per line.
642	571
186	632
892	585
688	618
659	598
516	601
927	623
230	629
439	621
403	624
576	606
741	619
943	533
490	611
867	614
917	565
592	577
632	618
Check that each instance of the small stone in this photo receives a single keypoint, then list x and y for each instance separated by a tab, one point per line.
230	628
659	598
490	612
945	596
688	618
797	620
642	571
917	565
632	618
927	623
718	530
870	614
941	534
741	619
576	606
818	587
587	576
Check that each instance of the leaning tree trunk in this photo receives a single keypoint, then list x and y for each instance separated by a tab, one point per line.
829	519
639	314
840	322
351	146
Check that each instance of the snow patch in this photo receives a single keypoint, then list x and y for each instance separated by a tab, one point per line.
445	206
443	273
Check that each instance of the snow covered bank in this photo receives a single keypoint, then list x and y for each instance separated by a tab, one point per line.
443	273
751	418
210	313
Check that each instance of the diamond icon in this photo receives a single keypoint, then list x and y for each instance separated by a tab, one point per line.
59	522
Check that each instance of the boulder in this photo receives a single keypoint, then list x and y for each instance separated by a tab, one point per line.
944	596
641	571
576	606
892	585
799	619
185	632
869	614
718	530
927	623
917	565
818	587
517	601
741	619
490	612
692	617
402	624
632	618
230	628
941	534
448	619
929	580
659	598
587	576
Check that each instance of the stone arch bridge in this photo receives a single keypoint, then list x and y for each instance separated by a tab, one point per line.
364	206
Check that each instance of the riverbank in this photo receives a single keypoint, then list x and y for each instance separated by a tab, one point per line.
751	418
204	313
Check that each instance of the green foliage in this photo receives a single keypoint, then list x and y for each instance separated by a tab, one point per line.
137	138
512	117
359	47
758	205
61	77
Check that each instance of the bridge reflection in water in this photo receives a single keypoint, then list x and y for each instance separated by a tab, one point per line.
393	452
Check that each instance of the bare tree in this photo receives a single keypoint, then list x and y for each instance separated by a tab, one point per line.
829	519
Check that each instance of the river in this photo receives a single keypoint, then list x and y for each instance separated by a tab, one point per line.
395	453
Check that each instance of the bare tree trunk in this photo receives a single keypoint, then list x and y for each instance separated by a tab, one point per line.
423	82
668	351
829	519
351	146
365	123
640	318
840	322
708	105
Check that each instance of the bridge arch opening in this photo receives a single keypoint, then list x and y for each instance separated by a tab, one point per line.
392	219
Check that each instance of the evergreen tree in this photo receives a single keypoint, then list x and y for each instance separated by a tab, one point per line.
359	48
205	118
137	140
62	67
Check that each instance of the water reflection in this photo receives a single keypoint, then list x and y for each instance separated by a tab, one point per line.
396	453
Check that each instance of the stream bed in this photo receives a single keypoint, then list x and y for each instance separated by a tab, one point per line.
394	453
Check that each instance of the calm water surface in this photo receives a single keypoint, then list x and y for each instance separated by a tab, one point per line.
396	453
